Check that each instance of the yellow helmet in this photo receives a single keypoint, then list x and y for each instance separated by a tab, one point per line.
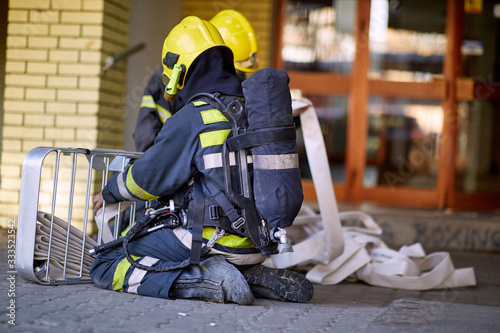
241	38
185	42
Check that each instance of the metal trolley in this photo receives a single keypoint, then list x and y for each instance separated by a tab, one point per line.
55	211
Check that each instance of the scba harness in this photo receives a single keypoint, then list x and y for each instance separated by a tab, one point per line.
262	185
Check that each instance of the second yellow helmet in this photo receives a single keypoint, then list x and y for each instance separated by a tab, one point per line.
240	37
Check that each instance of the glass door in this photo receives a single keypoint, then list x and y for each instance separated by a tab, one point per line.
476	172
407	49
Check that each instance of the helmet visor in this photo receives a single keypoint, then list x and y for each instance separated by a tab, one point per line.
249	65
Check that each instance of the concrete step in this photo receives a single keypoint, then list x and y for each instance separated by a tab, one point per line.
434	229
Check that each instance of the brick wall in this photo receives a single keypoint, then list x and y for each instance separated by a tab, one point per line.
258	12
3	39
55	94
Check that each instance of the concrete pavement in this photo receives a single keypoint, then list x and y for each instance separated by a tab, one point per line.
346	307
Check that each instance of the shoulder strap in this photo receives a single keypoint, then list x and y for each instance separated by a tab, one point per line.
231	106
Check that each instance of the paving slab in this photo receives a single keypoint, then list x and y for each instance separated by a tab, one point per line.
345	307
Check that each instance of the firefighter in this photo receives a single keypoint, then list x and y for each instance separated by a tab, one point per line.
238	35
195	60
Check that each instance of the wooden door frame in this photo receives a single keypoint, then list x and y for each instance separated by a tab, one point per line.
357	120
451	71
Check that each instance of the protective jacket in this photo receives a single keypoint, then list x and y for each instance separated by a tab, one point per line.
186	141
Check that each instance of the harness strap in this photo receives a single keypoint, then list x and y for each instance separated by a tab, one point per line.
198	216
223	202
261	137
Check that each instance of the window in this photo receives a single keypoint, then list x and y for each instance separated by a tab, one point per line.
318	36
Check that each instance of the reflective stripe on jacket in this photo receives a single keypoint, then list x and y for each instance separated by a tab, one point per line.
197	130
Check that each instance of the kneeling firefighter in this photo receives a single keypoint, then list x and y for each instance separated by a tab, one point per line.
226	202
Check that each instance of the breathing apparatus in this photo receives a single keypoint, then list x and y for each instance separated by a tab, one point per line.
260	199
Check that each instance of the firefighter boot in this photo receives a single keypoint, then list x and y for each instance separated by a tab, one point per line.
278	284
213	280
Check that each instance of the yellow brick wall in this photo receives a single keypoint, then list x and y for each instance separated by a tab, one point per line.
258	12
55	94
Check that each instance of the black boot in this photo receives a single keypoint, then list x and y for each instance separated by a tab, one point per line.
214	280
278	284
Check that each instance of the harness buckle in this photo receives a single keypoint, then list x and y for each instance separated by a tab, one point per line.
213	212
238	222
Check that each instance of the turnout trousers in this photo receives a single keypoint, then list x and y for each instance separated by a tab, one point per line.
111	269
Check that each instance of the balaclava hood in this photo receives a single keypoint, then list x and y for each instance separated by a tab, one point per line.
213	71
